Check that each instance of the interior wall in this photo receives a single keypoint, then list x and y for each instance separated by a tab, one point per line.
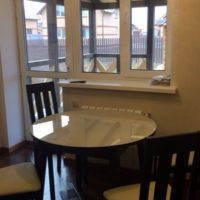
14	128
1	109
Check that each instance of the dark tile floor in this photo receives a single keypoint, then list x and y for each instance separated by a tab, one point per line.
99	177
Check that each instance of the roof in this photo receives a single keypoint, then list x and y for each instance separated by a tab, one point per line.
41	9
162	21
31	9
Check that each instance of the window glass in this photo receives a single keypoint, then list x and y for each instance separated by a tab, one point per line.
100	38
148	35
159	44
36	36
60	11
45	36
139	37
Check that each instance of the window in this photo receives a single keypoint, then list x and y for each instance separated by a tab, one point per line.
100	37
113	40
148	35
125	42
46	45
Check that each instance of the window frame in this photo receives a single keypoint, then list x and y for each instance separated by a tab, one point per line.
92	7
151	4
125	50
54	58
74	42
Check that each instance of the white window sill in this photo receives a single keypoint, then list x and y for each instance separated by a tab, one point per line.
137	86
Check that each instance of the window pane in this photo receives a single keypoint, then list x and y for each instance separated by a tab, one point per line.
139	37
100	40
159	43
86	32
36	31
46	49
139	30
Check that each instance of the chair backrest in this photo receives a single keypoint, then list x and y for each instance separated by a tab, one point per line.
42	100
158	153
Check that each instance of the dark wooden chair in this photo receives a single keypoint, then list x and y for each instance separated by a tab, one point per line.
42	102
20	182
161	181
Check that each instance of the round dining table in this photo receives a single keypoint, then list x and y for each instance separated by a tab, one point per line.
87	132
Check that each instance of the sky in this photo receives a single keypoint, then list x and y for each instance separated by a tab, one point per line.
31	8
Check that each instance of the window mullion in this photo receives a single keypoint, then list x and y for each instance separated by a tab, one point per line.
93	36
92	30
150	37
52	32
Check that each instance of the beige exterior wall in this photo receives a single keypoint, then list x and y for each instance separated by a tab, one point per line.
107	24
61	22
43	20
32	24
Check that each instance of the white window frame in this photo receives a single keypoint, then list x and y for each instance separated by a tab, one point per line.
125	54
74	42
23	51
145	73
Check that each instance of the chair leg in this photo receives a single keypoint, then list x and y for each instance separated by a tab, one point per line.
115	168
51	177
59	160
140	154
85	165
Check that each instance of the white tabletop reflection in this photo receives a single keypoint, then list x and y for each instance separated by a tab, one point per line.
93	128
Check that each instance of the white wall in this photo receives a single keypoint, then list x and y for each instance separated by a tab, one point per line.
10	77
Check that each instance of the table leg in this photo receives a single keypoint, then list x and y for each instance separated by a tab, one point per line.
79	172
140	154
40	158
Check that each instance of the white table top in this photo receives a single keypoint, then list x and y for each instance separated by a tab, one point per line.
93	128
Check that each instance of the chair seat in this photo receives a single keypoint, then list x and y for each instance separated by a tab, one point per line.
19	178
131	192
